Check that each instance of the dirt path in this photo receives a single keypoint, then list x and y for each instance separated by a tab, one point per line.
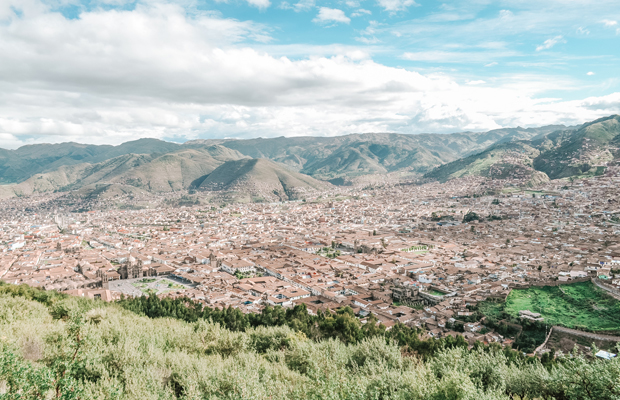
590	335
611	292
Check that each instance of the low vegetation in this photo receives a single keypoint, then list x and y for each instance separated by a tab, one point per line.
53	346
328	252
579	305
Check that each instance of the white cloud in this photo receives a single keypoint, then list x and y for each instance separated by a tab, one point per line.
303	5
590	73
360	12
478	82
368	40
583	31
460	57
505	14
327	15
549	43
367	36
395	5
157	72
259	3
609	23
491	64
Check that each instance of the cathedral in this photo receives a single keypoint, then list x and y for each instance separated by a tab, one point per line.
131	270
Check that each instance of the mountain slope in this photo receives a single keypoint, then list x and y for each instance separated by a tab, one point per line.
364	158
503	161
322	157
372	153
593	145
253	179
150	172
18	165
560	154
155	165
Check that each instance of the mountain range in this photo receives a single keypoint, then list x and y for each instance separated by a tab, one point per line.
285	167
564	153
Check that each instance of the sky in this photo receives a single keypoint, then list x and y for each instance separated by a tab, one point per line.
109	71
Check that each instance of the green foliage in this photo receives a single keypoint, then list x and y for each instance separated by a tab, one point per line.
104	351
242	275
579	305
328	252
27	292
416	248
471	216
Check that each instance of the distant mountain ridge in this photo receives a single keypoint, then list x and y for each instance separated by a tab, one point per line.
154	172
296	164
560	154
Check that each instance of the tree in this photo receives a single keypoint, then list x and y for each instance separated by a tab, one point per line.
470	216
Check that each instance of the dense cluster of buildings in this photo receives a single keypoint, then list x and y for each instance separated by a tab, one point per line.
404	252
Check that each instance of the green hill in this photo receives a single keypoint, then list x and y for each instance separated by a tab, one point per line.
58	347
581	153
372	153
148	172
259	179
158	166
564	153
503	161
21	164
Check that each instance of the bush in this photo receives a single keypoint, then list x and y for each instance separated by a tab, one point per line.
103	351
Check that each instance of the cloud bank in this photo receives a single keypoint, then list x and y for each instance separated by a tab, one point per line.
157	71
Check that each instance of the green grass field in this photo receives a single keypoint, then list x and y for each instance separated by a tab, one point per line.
491	309
579	305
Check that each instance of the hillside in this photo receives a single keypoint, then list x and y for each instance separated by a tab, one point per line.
559	154
532	155
18	165
259	180
148	172
371	153
54	346
581	153
503	161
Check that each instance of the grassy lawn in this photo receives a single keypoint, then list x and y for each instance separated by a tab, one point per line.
328	252
175	286
579	305
491	309
436	293
138	285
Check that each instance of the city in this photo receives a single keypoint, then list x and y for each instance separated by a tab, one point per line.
423	255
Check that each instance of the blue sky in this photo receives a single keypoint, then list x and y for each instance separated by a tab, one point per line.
106	71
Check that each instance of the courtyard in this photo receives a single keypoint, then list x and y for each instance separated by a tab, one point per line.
146	285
